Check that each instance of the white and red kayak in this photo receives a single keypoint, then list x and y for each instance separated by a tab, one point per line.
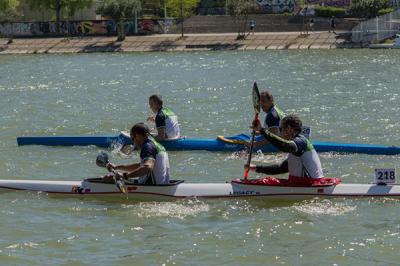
94	187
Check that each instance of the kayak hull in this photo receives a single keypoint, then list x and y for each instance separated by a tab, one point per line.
200	144
92	189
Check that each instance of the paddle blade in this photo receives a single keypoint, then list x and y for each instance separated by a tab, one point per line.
256	98
246	174
121	185
102	159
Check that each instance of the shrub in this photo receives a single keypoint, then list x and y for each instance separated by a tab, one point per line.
368	8
385	11
329	11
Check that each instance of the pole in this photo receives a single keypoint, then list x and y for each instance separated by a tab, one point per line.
182	18
136	21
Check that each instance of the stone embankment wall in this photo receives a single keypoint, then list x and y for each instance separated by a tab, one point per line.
264	23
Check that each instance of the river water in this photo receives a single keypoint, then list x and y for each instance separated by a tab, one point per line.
344	95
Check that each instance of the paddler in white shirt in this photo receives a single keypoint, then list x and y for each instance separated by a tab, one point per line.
166	121
302	164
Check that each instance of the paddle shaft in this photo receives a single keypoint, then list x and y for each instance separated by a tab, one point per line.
119	182
253	135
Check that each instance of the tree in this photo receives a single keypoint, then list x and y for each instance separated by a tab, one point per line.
159	6
8	4
368	8
8	10
182	9
120	11
239	10
69	6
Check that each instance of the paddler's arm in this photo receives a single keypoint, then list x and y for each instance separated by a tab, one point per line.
263	142
144	169
281	144
160	134
161	125
274	169
123	167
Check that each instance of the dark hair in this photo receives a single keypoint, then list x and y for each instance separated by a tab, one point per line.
140	128
267	95
157	98
293	121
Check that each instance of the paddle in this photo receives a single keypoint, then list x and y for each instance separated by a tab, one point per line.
256	105
102	161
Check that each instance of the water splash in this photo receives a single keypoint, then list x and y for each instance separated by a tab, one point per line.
23	245
179	210
237	208
324	207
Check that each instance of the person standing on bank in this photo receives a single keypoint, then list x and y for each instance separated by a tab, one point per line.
332	24
311	24
166	121
252	26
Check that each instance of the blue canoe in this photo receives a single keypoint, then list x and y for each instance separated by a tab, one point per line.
230	144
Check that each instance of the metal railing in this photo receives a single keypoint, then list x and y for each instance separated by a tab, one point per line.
377	29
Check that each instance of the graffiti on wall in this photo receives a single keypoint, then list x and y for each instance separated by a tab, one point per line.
277	6
79	28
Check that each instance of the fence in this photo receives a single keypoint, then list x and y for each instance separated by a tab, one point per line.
377	29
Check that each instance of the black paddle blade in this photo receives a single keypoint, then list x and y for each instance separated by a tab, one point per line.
256	98
102	159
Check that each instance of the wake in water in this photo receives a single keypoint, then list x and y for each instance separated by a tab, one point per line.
324	207
180	209
259	157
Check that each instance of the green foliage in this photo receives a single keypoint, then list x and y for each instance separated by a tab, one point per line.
8	10
119	9
368	8
212	3
69	6
152	4
182	8
153	9
329	11
385	11
8	4
237	8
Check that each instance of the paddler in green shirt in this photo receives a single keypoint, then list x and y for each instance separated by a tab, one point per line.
303	162
272	119
153	168
166	121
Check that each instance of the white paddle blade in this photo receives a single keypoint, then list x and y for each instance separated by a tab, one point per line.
102	159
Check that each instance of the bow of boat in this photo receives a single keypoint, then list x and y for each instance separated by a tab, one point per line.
39	185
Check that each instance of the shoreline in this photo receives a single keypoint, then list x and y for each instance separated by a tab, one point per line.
174	42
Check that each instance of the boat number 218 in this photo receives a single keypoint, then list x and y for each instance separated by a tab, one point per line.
385	175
